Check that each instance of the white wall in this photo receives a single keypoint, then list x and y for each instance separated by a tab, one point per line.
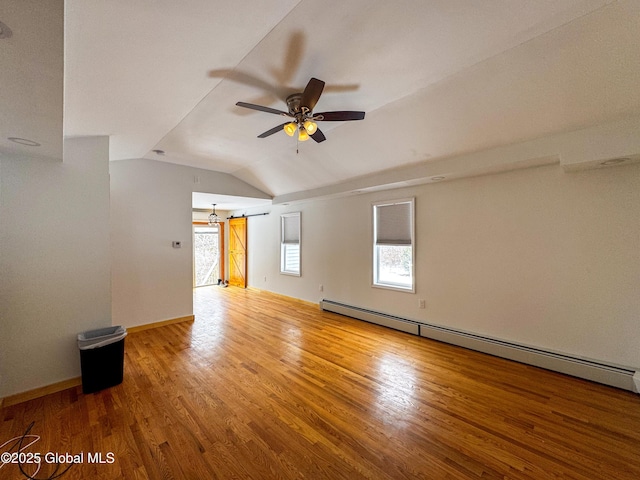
535	256
150	208
54	259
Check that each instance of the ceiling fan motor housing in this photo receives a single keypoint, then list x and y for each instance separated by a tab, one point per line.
294	103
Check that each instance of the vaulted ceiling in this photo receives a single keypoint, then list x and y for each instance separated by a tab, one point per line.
437	79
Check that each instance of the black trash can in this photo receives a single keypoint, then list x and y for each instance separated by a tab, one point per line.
101	358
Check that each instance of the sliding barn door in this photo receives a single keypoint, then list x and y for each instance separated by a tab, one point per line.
238	252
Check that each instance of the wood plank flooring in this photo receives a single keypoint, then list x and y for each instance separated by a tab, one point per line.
263	387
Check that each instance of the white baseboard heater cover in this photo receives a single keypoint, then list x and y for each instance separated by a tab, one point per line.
601	372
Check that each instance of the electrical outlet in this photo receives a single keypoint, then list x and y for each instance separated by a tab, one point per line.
422	303
265	278
321	288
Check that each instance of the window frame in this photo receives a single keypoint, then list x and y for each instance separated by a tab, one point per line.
375	282
284	244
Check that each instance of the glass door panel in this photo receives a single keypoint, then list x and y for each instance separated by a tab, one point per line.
206	252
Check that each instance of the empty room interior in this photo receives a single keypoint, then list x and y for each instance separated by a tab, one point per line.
364	239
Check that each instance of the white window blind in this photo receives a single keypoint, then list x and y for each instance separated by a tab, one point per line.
291	229
290	244
393	224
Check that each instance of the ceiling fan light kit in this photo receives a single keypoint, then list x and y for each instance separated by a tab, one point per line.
310	127
300	106
303	136
290	128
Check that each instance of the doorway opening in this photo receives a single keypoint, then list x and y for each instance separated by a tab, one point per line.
207	254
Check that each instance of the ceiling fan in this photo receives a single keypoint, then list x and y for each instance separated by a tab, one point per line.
303	120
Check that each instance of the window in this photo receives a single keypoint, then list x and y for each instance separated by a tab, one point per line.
393	244
290	243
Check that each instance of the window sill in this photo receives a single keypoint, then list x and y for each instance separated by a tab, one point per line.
291	274
396	288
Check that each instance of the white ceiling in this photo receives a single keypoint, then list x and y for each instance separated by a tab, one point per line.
436	78
31	76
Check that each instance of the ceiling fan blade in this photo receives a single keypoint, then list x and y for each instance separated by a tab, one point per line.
312	93
318	136
262	108
272	131
340	116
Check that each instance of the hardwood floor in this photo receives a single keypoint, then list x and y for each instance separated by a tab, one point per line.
266	388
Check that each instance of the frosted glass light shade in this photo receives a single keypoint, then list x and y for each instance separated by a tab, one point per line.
290	128
310	127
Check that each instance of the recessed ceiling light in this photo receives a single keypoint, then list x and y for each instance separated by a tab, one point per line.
437	179
614	161
5	32
24	141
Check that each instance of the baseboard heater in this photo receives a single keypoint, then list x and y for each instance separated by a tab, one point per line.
608	374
